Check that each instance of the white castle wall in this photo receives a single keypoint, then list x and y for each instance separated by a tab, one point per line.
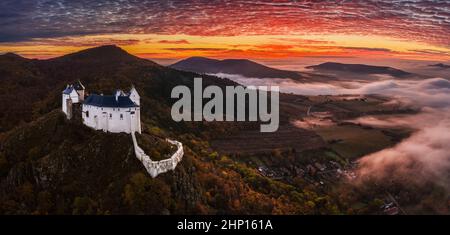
108	119
154	168
134	96
64	103
73	96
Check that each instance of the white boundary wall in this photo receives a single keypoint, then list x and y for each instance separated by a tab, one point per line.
154	168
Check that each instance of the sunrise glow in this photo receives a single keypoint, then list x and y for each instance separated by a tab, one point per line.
265	30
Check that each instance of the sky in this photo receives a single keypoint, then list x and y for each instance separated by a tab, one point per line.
277	32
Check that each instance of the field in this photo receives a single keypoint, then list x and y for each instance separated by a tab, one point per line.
252	141
316	122
352	141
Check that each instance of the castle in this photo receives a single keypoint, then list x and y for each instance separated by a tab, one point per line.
111	113
116	113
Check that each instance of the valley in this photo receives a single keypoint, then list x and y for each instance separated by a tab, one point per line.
49	165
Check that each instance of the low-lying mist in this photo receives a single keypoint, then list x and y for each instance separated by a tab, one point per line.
433	92
417	162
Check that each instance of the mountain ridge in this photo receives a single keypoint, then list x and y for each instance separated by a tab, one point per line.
242	67
359	68
440	65
13	55
102	54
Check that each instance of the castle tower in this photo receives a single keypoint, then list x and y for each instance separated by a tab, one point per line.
73	94
134	96
79	88
69	97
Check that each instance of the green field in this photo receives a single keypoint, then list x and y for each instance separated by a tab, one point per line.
352	141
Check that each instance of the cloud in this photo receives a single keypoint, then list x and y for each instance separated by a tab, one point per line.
82	42
420	163
432	52
301	41
182	41
367	49
424	157
274	47
423	20
420	159
434	92
195	49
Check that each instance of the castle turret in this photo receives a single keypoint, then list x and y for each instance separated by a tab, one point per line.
79	88
73	94
134	96
119	93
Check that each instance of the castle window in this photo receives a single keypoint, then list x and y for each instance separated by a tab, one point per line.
87	114
118	109
110	116
121	116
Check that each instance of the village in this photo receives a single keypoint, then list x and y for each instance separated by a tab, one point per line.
324	175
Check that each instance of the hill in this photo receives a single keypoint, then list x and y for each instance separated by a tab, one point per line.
440	65
242	67
53	165
359	69
34	86
49	165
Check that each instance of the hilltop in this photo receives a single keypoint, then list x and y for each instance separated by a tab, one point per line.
440	65
242	67
53	165
34	86
359	69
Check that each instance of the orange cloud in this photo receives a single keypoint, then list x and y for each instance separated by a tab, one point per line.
182	41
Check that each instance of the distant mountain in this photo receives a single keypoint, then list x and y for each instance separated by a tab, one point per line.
242	67
102	55
359	68
440	65
13	56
